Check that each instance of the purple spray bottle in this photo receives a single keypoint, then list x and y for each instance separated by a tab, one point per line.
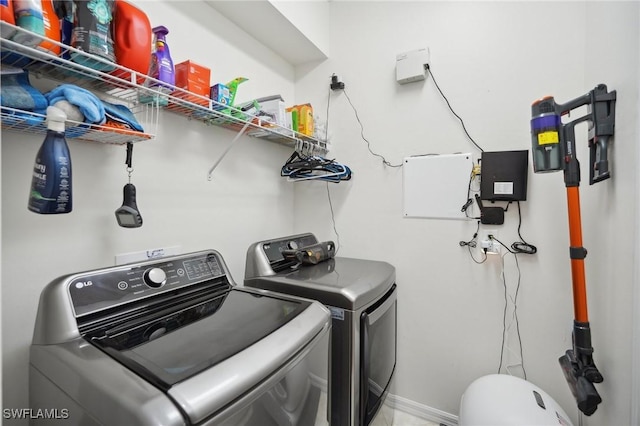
161	67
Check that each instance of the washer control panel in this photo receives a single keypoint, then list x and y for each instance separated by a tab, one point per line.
155	277
96	291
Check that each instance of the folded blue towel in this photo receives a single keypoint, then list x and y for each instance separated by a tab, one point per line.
17	92
121	114
88	103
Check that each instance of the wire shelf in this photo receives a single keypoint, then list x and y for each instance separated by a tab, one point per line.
134	89
16	120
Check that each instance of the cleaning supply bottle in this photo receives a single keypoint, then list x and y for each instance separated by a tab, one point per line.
51	181
132	40
161	68
305	119
7	15
65	12
51	28
293	114
28	15
92	33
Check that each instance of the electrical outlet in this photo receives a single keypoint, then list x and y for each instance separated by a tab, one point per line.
484	242
335	83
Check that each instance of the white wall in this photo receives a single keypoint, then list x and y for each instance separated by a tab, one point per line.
492	60
246	201
311	17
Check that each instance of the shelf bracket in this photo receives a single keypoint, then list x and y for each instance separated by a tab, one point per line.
226	151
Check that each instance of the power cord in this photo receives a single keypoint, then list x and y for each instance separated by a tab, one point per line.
335	85
338	85
475	171
514	300
522	246
515	316
384	160
518	247
326	127
492	237
428	68
473	243
333	220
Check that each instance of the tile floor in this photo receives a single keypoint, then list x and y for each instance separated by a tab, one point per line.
390	417
387	416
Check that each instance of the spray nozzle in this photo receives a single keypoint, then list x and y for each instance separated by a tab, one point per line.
160	30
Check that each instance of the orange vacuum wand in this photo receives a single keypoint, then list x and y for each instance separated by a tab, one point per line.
553	149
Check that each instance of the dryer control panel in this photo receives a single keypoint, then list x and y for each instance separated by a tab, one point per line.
104	289
273	249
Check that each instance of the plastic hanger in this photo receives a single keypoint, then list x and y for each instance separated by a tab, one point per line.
301	167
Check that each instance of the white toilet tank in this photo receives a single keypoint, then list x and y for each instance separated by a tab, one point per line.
503	400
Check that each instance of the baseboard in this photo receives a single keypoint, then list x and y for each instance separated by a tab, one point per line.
403	404
420	410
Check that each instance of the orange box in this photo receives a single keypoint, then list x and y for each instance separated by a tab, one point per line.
194	78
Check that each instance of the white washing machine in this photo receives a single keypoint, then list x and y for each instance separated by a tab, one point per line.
174	342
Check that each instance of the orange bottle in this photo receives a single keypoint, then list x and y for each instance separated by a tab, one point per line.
6	11
132	39
51	28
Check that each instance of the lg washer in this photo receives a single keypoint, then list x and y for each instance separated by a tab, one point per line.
173	341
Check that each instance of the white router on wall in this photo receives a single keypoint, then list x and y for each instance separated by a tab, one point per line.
410	66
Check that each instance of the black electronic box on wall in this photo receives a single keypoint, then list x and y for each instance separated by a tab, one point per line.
504	175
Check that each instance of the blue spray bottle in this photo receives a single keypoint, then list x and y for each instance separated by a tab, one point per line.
51	182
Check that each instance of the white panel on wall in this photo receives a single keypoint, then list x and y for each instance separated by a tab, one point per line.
435	186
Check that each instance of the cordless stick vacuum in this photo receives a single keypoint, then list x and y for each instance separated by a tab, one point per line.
554	149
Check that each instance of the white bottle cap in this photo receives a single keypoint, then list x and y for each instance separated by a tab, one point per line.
55	119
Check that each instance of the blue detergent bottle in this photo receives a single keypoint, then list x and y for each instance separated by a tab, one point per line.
51	181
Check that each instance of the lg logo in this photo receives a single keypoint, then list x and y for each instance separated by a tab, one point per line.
81	284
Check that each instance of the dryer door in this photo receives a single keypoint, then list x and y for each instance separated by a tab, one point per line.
378	331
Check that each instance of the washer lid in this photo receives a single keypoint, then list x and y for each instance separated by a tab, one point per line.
341	282
216	388
175	345
212	353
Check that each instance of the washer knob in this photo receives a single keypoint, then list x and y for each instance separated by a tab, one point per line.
154	277
293	245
